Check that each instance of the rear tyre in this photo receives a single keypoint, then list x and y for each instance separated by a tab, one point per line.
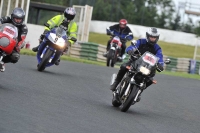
45	60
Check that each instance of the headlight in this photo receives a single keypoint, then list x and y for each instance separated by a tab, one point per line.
61	44
144	70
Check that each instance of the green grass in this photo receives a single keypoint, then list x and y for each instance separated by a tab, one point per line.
65	57
181	74
169	49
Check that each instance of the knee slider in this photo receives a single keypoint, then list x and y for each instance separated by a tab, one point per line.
15	57
123	67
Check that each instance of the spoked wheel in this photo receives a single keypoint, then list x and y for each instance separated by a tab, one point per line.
45	60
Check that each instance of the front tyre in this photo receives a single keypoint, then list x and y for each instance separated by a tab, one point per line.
45	60
130	98
110	58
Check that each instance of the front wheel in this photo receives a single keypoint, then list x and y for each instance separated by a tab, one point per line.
110	58
45	60
130	98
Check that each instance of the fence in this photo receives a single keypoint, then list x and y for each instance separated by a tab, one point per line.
93	51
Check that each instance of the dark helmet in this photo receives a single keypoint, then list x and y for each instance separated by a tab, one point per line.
69	13
19	14
123	23
152	32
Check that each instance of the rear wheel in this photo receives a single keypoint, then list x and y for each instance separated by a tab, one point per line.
128	100
45	60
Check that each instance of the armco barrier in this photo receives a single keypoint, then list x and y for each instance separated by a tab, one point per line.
93	51
90	51
197	69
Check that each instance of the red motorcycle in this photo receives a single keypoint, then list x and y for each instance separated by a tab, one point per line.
114	52
8	40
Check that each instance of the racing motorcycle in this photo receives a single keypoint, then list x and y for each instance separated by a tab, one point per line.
129	90
8	39
52	47
115	49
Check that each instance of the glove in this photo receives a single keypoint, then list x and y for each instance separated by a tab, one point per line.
64	25
159	67
130	52
43	35
17	48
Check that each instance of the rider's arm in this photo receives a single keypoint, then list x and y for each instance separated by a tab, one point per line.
159	54
55	21
72	30
133	47
111	29
130	34
5	19
24	31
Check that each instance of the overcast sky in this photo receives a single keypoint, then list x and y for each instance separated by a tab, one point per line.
195	3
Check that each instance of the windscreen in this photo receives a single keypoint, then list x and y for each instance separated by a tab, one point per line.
9	30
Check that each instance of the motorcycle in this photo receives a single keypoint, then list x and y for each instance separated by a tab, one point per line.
115	49
129	90
52	47
8	39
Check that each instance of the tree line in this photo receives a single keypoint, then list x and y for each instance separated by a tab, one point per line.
153	13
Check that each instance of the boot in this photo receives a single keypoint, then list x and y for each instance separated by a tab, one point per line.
114	85
35	49
105	54
2	66
57	62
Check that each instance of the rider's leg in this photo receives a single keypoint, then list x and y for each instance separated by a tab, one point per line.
122	71
107	48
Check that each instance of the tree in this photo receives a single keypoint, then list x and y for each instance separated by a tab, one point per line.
175	24
188	26
197	30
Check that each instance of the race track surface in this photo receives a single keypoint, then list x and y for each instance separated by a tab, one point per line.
75	98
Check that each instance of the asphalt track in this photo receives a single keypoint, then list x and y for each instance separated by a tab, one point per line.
74	98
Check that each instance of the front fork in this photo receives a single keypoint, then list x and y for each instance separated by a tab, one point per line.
1	58
44	51
132	81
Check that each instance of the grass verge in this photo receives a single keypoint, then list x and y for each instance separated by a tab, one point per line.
169	49
68	58
65	57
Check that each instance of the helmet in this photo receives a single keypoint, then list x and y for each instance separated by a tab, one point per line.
17	13
69	13
152	32
123	23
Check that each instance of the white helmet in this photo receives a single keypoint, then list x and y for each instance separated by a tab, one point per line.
152	32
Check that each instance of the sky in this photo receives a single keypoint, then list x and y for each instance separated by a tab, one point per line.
195	3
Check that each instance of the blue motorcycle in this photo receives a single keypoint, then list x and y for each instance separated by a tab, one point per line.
52	47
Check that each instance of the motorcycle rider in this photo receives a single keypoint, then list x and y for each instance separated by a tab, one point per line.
143	45
66	20
121	30
16	18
